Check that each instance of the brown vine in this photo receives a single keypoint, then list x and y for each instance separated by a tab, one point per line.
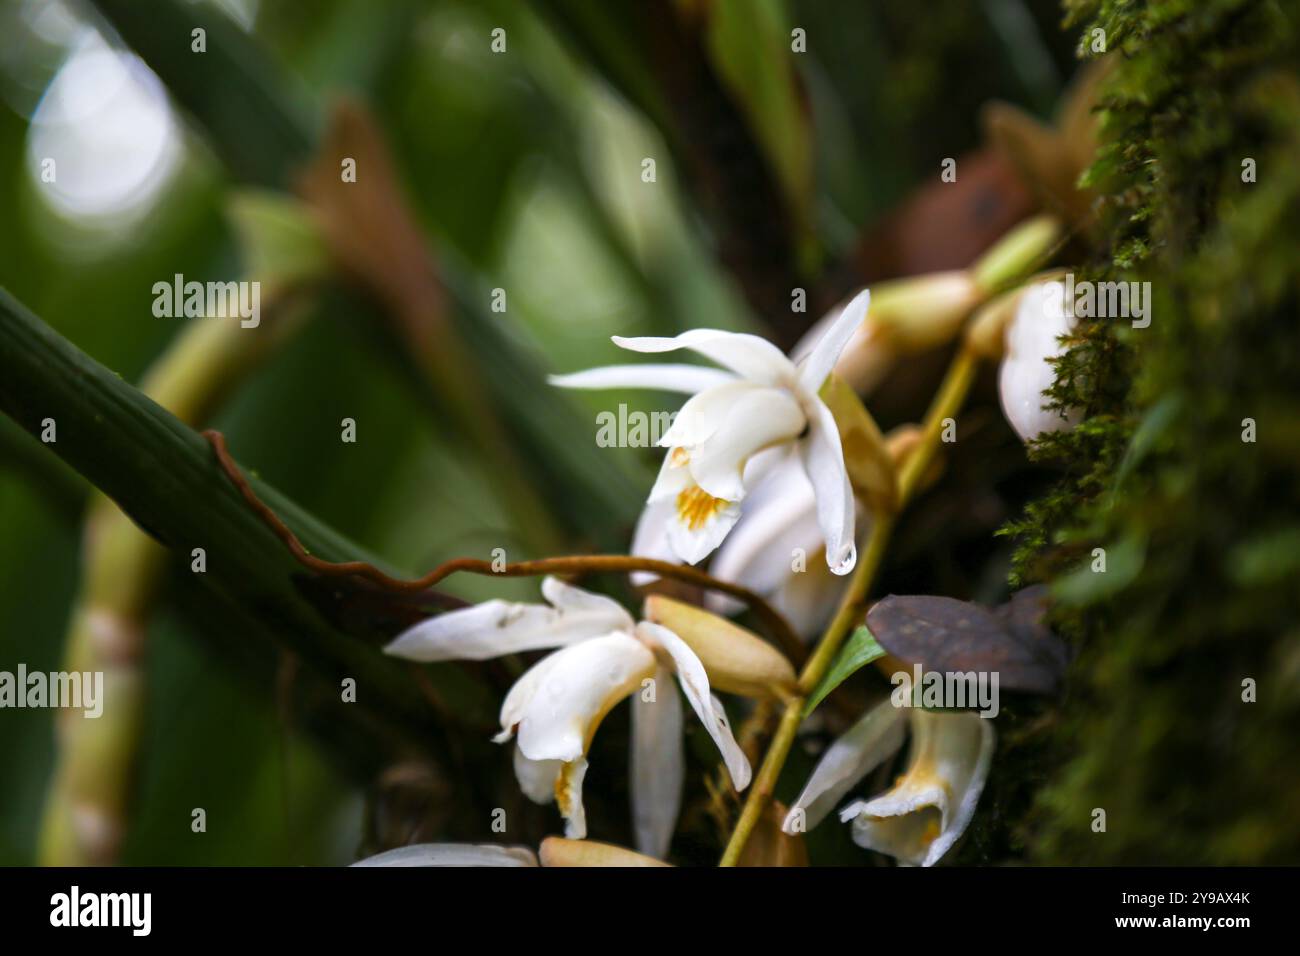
779	628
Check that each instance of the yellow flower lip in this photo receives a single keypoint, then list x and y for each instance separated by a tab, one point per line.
736	660
696	507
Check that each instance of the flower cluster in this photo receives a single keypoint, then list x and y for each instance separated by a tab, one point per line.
766	462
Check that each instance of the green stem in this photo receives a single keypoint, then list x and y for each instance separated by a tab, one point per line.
952	393
164	476
86	810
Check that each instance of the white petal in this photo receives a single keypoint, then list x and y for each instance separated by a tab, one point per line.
669	378
1032	337
568	797
779	515
819	362
658	765
823	460
763	463
748	355
497	627
453	854
557	705
699	524
866	745
537	777
704	413
683	522
520	697
758	419
650	539
576	602
674	477
808	600
695	683
919	820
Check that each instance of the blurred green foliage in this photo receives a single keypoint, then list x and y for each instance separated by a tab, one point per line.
523	168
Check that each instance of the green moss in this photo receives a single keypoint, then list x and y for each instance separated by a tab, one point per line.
1153	728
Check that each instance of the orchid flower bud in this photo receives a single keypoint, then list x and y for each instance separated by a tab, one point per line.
1032	338
557	851
922	312
905	316
1015	254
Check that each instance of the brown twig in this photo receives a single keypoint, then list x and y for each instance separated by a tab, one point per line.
776	623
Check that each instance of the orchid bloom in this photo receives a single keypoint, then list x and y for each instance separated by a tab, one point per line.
762	402
929	807
1032	337
553	710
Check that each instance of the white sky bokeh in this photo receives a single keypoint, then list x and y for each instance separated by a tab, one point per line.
106	122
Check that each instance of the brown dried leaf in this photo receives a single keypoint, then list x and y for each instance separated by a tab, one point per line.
769	845
947	635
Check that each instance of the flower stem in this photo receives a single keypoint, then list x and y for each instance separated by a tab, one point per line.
952	393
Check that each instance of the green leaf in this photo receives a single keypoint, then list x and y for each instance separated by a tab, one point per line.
750	46
264	135
858	651
164	476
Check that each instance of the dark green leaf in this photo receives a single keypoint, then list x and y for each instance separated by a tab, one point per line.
858	651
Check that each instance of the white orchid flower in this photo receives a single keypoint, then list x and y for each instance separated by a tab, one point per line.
929	807
762	401
553	710
1032	337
